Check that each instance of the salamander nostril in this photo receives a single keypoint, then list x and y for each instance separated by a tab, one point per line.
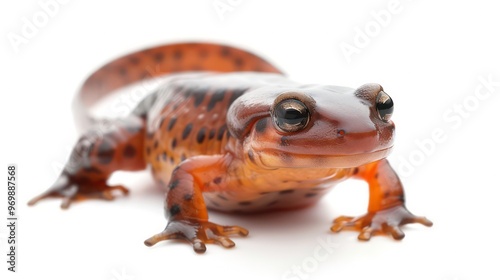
340	133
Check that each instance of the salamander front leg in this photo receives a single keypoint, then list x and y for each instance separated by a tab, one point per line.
109	146
386	209
198	232
185	208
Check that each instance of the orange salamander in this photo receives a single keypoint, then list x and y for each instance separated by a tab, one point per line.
228	131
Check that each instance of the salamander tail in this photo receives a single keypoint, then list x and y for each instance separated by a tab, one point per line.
159	61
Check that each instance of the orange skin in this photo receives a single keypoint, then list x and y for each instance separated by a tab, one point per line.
215	140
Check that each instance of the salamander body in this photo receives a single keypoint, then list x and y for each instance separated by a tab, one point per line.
226	130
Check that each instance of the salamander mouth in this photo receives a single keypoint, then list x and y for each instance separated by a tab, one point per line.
272	158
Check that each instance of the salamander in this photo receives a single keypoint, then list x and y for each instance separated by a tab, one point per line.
228	131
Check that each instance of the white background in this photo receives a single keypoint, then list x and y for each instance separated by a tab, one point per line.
429	57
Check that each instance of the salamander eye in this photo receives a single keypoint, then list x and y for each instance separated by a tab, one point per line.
290	115
384	106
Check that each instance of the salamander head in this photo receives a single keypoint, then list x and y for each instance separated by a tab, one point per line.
313	126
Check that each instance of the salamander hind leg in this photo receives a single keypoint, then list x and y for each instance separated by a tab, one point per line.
185	208
386	209
107	147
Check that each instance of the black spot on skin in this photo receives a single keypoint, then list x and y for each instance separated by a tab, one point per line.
174	143
187	131
171	123
238	62
105	152
286	191
164	156
263	193
161	122
238	92
188	93
376	175
123	72
201	135
155	145
188	196
148	151
251	156
356	171
183	157
211	134
284	141
310	194
177	55
234	96
217	180
386	194
222	197
225	51
173	185
245	203
272	203
221	132
129	151
175	209
158	57
261	125
198	98
179	88
217	96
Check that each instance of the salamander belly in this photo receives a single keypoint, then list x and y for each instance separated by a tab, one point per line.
277	189
264	201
